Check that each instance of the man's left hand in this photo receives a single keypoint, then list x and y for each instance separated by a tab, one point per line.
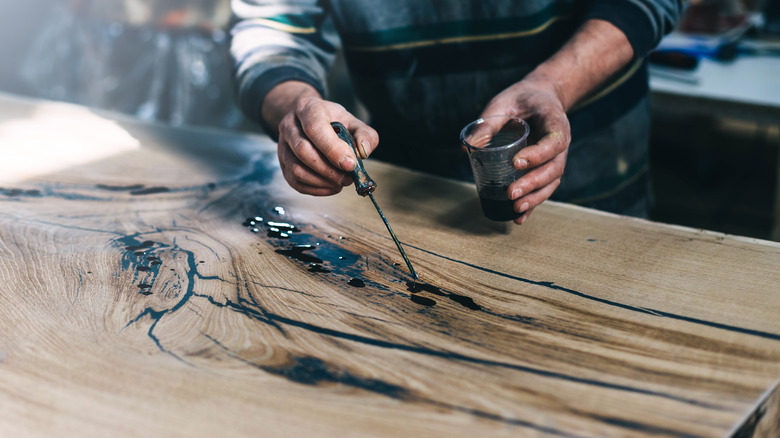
536	102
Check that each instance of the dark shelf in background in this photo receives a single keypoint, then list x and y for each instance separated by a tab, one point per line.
715	174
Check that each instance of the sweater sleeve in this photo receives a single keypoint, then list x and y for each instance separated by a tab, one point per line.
644	22
273	42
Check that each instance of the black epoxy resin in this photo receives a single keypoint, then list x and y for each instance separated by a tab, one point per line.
498	210
356	282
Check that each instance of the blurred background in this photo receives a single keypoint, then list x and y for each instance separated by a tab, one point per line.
715	89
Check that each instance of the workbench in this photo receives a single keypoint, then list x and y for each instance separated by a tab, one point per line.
142	295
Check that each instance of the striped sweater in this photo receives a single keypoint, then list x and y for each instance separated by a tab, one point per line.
426	68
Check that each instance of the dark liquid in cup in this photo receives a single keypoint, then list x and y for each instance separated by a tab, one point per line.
498	210
492	171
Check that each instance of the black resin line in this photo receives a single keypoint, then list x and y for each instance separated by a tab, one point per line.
56	224
150	191
15	193
113	188
653	312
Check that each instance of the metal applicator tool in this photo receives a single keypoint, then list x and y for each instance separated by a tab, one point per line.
364	185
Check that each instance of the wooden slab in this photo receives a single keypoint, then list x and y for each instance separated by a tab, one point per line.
137	301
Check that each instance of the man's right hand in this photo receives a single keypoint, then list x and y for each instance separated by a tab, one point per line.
314	160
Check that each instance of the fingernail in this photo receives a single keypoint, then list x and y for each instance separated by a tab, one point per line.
346	163
363	147
523	207
516	193
521	163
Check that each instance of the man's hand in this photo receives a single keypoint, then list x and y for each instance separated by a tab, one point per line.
596	51
537	103
313	159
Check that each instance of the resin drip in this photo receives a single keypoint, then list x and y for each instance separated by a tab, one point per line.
356	282
296	252
463	300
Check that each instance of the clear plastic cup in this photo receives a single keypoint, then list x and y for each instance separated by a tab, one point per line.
491	143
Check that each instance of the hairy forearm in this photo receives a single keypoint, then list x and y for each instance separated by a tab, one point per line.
282	99
595	52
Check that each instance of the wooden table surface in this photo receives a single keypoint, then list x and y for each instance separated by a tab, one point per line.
137	301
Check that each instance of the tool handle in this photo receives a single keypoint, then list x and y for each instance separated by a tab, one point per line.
363	183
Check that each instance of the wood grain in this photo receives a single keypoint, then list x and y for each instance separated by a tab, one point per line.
137	301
